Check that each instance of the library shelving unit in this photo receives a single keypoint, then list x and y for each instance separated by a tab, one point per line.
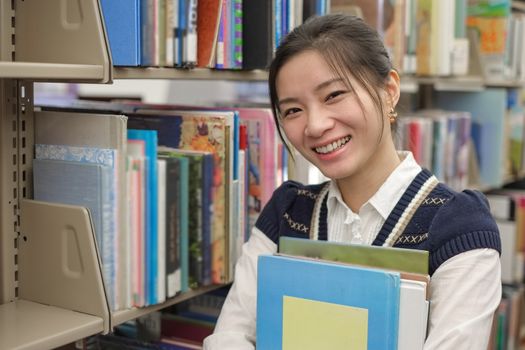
51	288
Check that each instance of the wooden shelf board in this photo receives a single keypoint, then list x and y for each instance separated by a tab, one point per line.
51	71
28	325
189	74
122	316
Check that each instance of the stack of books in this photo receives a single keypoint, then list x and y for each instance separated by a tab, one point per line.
325	295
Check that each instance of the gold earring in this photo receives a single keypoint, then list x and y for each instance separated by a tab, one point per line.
392	115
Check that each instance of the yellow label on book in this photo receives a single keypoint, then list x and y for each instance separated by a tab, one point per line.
311	324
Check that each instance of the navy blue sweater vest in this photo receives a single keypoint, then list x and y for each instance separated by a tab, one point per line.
429	216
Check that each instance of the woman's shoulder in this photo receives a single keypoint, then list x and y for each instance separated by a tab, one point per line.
462	222
465	205
291	204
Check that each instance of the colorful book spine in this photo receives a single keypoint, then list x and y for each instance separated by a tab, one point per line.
150	140
190	37
161	232
237	34
136	216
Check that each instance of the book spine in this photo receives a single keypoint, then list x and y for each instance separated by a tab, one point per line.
237	34
190	40
207	215
176	32
181	30
173	272
184	212
170	37
161	232
195	221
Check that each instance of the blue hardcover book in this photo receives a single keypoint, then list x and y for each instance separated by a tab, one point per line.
302	301
181	32
122	20
150	139
86	185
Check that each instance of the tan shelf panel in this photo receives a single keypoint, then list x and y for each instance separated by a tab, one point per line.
187	74
65	40
126	315
28	325
51	71
58	262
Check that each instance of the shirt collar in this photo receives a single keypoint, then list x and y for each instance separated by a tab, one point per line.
387	196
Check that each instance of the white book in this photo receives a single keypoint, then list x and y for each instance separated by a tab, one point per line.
413	315
509	255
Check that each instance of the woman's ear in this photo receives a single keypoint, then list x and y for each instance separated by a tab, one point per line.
393	88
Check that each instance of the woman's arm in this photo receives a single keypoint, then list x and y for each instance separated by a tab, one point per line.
235	327
465	291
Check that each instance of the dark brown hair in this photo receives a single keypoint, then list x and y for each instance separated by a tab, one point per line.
349	46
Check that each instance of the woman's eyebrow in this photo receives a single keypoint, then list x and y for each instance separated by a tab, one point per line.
316	89
327	83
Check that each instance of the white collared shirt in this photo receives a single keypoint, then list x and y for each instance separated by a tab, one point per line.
362	228
463	295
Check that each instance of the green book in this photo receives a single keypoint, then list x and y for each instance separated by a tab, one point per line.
400	259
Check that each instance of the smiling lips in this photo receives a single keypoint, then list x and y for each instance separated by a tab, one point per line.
333	146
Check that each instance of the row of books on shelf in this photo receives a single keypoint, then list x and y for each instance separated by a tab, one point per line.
423	37
171	190
439	141
431	37
230	34
469	138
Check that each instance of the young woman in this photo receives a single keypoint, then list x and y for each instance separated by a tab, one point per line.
334	93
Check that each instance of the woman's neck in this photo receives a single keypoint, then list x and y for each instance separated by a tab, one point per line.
360	187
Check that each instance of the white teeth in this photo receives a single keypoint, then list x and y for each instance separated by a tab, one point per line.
333	146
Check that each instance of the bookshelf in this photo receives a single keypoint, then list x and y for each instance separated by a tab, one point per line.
51	290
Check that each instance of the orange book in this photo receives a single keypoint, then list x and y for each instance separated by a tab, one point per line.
208	17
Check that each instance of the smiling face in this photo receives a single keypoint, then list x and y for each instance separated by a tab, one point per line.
339	130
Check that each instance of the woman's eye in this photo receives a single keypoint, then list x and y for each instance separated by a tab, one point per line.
334	94
290	112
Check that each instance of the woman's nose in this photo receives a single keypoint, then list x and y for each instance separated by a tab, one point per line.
318	122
